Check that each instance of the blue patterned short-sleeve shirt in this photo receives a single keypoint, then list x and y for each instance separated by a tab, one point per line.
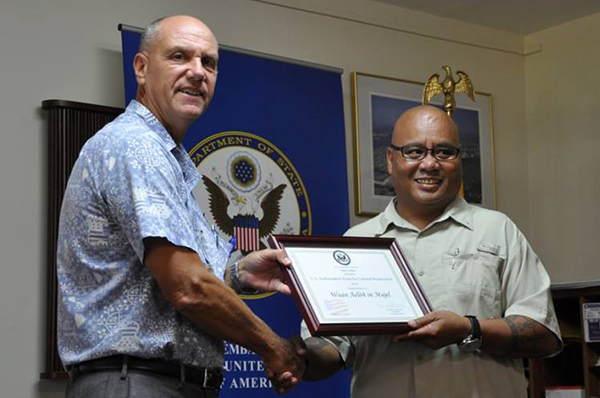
130	182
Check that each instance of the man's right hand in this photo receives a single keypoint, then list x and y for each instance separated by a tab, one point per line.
437	329
287	369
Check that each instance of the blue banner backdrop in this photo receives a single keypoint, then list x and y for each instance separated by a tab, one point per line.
275	137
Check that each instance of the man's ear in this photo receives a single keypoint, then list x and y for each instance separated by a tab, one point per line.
390	160
140	67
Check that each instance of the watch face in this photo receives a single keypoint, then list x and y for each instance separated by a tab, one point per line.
469	344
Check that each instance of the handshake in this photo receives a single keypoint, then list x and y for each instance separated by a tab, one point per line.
285	360
287	367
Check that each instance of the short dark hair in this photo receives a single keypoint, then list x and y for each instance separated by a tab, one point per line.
149	35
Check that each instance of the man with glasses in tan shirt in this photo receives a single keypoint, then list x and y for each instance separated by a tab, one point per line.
489	290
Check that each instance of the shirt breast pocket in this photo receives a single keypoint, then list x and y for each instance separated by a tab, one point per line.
474	281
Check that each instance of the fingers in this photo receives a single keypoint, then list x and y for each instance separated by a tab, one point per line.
418	328
281	287
291	365
410	335
283	259
286	359
422	321
400	337
262	270
284	382
436	329
278	255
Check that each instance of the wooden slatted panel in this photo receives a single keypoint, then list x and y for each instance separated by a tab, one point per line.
70	125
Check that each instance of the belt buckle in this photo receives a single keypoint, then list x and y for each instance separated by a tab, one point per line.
212	380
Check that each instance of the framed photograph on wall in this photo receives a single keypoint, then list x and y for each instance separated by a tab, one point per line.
378	102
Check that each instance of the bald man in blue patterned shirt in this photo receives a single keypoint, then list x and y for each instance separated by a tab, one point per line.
145	296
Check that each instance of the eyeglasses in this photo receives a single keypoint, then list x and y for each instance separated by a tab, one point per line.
419	152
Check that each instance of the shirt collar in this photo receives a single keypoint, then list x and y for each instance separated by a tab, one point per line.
459	211
152	122
190	173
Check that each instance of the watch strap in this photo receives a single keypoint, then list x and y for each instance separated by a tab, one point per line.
473	341
475	328
236	283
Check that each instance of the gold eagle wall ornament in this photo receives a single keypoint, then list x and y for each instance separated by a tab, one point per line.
448	87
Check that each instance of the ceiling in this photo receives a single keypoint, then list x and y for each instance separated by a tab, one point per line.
517	16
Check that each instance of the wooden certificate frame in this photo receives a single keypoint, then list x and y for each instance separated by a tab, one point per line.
352	285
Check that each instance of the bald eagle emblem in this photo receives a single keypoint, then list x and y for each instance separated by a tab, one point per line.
247	228
249	189
448	87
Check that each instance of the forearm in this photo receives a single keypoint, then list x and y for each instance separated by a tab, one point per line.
206	301
217	310
517	336
322	359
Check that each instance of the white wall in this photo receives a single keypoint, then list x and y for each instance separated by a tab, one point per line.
563	118
71	50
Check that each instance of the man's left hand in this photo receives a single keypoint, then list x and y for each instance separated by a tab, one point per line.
437	329
262	270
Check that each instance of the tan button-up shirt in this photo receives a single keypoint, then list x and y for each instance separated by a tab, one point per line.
472	261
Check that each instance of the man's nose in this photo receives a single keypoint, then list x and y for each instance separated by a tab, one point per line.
429	162
196	69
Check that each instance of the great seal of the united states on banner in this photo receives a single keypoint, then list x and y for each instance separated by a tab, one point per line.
249	189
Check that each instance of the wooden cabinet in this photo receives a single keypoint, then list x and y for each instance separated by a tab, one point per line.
577	364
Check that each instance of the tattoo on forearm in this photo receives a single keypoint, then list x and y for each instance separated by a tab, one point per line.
528	336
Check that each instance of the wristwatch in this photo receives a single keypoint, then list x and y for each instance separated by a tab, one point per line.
473	341
236	283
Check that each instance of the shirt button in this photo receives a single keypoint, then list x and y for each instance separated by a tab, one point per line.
421	273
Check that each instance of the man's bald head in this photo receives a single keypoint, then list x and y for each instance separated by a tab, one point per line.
424	185
152	32
424	118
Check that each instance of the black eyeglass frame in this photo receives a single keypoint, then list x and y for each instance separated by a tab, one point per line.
427	150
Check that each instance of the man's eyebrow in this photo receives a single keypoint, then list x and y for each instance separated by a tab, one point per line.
212	54
443	143
178	49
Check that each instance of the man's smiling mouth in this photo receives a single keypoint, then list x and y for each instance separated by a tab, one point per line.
428	181
194	93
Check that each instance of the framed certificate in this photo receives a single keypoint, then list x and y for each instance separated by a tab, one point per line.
351	286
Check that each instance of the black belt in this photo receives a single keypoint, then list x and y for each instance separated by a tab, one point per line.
207	378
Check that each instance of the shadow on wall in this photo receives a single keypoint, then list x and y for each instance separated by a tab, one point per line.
112	91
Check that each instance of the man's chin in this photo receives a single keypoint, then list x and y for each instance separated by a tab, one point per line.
192	111
429	199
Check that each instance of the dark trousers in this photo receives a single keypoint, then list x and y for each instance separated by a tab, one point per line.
134	384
